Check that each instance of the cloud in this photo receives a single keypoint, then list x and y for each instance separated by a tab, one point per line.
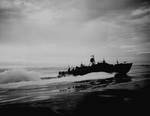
128	46
107	27
69	10
141	24
11	13
141	12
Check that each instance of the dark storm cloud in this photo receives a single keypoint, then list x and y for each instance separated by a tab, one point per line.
140	21
112	8
140	13
6	14
131	14
143	31
90	9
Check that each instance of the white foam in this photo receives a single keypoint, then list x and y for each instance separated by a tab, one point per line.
62	80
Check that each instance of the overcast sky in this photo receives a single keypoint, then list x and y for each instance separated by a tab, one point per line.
69	31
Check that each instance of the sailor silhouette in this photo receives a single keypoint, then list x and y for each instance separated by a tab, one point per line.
92	59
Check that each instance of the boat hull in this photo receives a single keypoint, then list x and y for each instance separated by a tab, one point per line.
122	68
99	67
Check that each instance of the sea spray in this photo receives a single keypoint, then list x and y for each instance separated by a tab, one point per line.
16	75
56	81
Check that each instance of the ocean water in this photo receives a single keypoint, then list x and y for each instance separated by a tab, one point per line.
25	85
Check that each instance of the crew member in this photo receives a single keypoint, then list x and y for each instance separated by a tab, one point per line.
92	60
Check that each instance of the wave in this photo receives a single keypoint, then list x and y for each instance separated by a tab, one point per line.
15	75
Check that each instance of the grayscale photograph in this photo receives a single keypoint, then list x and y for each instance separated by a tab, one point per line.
74	57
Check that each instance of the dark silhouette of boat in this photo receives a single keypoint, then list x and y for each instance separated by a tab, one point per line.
119	68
